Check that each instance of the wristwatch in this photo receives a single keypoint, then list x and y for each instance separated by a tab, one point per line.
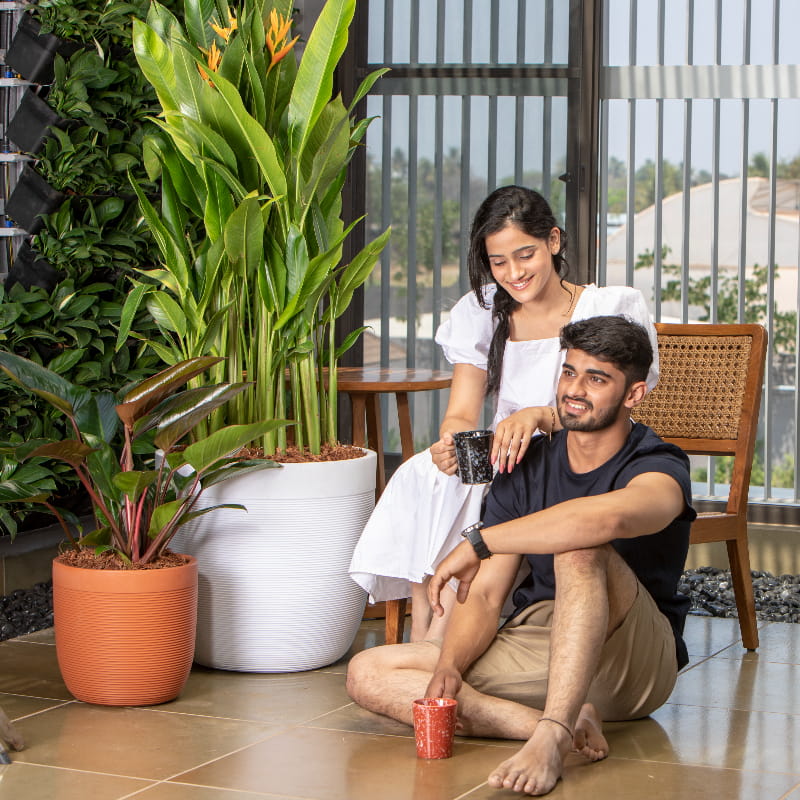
473	535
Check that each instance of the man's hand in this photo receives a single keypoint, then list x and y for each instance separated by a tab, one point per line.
445	682
463	564
443	454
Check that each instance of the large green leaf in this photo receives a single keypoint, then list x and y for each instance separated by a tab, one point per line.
204	454
244	235
17	492
171	246
134	482
167	314
198	13
149	393
70	451
164	514
129	310
43	382
260	146
156	62
237	469
357	271
182	414
313	85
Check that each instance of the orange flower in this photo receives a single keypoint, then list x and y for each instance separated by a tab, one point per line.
277	33
225	33
213	57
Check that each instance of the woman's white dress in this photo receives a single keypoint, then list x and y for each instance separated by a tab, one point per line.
421	513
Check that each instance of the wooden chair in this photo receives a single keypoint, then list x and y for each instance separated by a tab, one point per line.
707	402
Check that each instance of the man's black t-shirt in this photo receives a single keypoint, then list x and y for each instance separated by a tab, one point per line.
544	478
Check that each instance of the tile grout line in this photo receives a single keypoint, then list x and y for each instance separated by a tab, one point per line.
789	793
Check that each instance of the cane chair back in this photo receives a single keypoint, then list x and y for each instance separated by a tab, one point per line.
707	402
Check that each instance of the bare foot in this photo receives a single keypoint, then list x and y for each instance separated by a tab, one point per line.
589	740
536	768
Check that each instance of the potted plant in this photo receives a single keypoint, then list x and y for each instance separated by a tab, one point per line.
253	148
124	604
32	50
31	123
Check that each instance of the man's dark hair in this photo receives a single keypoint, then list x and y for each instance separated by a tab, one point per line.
618	340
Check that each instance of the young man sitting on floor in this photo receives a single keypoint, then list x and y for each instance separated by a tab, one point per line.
602	513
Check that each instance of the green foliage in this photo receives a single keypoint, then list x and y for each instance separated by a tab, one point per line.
138	505
698	293
73	331
782	472
92	241
87	21
253	147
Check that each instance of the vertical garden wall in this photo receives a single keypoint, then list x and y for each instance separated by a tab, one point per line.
80	125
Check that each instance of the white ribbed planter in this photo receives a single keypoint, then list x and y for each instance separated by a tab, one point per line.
274	589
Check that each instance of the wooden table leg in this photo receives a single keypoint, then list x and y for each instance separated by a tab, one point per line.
375	439
358	404
395	621
404	418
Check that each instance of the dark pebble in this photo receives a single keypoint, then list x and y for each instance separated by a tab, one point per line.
26	611
777	599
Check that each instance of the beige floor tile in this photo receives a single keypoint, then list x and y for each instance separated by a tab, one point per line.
617	779
46	636
33	782
333	765
777	641
705	636
30	668
140	743
712	737
750	684
183	791
355	719
286	699
17	706
794	794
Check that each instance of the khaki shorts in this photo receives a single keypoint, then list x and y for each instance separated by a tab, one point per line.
636	674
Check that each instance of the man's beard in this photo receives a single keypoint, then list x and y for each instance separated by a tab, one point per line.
604	419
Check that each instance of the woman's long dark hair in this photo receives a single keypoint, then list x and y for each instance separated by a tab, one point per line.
530	212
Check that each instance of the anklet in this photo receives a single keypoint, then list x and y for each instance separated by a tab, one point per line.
550	719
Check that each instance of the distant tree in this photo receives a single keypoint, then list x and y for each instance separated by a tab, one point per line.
698	293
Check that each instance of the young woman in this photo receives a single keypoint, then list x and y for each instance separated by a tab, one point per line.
502	339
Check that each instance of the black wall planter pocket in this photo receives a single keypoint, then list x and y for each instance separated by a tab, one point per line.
31	54
31	123
30	270
32	197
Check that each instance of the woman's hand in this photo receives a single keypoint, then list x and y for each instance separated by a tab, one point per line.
443	454
513	435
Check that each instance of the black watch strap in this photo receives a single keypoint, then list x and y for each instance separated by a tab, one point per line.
473	535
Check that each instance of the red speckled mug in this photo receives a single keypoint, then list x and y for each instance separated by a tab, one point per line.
434	726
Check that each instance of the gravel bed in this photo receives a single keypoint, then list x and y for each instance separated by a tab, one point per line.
777	599
26	611
709	589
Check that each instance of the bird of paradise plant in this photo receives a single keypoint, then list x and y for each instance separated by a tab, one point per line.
252	154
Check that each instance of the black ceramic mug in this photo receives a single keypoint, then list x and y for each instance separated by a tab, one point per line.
473	449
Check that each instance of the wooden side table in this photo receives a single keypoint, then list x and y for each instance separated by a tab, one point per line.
364	385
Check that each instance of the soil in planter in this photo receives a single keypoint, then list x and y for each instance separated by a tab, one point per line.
86	559
293	455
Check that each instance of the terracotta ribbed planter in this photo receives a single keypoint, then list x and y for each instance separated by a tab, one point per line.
125	637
